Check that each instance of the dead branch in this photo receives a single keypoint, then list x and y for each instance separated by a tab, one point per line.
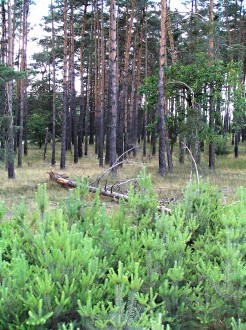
193	160
116	163
65	182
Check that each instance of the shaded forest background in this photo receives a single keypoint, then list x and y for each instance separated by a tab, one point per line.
119	74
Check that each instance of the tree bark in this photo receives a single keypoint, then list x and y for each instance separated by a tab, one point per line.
113	66
161	100
102	89
73	109
82	96
2	87
53	156
211	103
23	81
123	95
10	144
64	98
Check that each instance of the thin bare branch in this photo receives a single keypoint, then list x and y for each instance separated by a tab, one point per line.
193	160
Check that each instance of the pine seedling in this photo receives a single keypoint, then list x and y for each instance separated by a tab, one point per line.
156	323
37	318
238	324
2	210
42	200
21	211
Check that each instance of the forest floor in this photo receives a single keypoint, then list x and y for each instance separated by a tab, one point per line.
230	173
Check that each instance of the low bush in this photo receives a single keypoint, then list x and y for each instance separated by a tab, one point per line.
221	144
82	266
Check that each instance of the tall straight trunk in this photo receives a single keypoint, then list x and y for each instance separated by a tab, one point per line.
123	95
87	105
137	83
3	60
102	90
146	76
211	103
129	112
64	97
96	74
82	96
161	100
23	81
168	31
72	91
10	144
53	156
25	125
113	66
108	111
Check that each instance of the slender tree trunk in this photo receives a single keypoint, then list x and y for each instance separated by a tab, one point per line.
146	76
10	144
102	90
2	87
46	142
87	105
123	95
53	156
64	98
96	74
113	65
82	113
237	138
161	101
23	81
73	109
211	103
136	102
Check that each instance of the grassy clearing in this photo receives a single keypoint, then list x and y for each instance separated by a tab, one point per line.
229	175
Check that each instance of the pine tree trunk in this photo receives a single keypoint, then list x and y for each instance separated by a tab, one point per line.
146	76
102	90
211	103
236	145
23	81
64	98
82	96
123	95
73	109
137	83
53	156
10	144
161	101
2	87
113	66
87	106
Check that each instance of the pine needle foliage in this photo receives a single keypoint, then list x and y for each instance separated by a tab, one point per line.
82	266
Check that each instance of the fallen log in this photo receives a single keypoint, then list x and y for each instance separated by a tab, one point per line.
62	179
65	182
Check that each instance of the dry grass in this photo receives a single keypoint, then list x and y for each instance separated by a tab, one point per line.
229	175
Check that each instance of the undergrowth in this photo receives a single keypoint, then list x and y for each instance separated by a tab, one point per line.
82	266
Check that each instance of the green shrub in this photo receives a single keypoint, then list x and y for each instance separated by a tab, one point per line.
80	266
221	144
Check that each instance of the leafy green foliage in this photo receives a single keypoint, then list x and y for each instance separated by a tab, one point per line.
82	266
190	120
